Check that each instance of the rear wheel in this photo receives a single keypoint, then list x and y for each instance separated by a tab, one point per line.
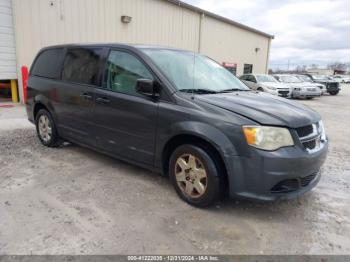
309	98
194	174
334	93
46	129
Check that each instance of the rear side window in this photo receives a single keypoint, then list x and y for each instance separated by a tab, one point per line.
82	65
48	64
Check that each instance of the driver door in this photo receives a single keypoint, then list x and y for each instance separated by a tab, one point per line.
125	120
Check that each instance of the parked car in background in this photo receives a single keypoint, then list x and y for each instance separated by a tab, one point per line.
309	81
299	88
180	114
341	78
266	83
332	86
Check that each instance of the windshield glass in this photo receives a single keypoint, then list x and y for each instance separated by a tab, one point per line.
193	72
290	79
266	78
320	77
304	78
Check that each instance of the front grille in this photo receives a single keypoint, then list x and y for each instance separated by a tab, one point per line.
305	131
310	137
310	144
283	93
290	185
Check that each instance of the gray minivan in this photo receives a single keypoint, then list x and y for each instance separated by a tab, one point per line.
180	114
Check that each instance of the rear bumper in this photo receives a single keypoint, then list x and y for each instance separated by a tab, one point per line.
30	111
283	174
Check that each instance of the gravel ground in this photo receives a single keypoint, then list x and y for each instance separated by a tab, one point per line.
72	200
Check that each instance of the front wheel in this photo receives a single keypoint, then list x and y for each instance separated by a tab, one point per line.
195	176
46	129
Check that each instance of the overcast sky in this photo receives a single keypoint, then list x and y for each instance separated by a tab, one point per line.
306	31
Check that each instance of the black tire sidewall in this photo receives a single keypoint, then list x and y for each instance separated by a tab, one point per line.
54	141
213	190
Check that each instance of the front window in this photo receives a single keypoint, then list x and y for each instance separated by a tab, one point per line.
290	79
266	78
190	72
122	72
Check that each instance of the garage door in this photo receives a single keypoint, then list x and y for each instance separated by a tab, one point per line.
7	42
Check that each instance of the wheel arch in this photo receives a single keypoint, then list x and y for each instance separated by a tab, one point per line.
194	139
37	107
42	102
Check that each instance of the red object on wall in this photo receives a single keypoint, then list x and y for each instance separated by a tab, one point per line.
25	76
232	67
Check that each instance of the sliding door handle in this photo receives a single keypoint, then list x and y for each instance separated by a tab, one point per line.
102	100
86	96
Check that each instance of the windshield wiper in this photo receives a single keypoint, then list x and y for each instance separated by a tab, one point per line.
198	91
232	90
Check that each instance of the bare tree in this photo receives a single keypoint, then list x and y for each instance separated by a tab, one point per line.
314	66
337	66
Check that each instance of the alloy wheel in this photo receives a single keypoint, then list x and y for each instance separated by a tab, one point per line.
191	175
45	129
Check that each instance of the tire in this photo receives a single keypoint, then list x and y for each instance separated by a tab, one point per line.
211	186
309	98
44	122
260	89
334	93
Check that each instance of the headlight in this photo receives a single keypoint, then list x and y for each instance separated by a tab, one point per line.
322	131
268	137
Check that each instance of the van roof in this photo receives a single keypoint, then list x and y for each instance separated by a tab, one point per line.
137	46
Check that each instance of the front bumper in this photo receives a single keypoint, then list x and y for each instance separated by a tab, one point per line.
302	93
283	174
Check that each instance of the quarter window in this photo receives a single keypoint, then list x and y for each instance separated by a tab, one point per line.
122	72
81	65
48	64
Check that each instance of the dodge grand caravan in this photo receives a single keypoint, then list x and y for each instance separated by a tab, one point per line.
180	114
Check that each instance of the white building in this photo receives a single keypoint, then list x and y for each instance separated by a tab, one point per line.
28	25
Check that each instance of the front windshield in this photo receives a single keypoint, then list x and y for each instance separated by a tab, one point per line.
320	77
266	78
304	78
290	79
192	72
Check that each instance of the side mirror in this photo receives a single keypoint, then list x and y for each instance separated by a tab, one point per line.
147	87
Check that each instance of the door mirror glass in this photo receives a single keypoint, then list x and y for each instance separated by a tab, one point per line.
147	87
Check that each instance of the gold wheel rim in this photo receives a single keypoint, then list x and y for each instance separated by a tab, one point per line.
191	176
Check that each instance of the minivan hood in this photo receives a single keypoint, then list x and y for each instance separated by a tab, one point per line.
264	108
